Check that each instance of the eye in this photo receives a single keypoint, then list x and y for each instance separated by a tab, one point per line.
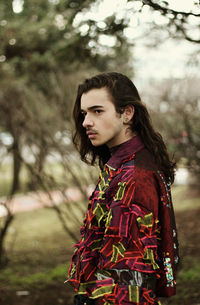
98	111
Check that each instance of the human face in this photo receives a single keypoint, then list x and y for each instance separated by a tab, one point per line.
102	123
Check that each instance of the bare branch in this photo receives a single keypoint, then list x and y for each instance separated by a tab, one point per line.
166	10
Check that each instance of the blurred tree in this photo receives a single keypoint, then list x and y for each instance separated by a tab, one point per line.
45	49
43	54
41	40
178	23
176	112
43	37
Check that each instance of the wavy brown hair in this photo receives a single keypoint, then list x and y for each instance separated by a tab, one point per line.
122	92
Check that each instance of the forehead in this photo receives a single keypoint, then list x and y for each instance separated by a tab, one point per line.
96	97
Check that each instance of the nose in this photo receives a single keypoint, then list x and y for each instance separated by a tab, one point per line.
87	122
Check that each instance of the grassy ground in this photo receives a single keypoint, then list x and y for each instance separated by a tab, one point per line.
40	252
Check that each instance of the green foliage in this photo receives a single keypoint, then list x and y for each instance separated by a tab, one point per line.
42	38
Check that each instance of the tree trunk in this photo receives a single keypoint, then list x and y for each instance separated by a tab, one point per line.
16	167
3	231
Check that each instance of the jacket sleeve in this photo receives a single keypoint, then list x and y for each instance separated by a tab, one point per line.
153	193
168	248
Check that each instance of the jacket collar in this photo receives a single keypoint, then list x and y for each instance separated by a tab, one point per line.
125	151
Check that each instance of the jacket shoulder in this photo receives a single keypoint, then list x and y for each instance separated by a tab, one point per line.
146	160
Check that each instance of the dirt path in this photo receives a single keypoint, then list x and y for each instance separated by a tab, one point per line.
36	200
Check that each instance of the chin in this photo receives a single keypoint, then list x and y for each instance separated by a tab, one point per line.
96	143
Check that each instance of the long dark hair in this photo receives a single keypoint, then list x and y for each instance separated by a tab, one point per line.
122	92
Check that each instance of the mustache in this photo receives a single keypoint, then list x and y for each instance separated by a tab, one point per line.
91	130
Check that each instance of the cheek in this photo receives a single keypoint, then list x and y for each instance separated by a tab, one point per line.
112	125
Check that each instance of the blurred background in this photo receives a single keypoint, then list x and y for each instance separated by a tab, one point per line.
47	47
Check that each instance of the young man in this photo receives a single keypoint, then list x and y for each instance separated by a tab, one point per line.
128	251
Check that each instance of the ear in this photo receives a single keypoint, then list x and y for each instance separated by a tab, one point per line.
128	113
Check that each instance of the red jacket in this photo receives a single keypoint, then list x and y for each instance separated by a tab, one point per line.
129	224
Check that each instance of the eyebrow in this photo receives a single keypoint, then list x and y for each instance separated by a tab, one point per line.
92	107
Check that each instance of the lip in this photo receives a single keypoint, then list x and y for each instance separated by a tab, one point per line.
91	135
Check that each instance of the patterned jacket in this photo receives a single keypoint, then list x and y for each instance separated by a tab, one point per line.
129	224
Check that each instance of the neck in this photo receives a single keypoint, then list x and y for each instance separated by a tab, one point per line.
128	135
114	148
